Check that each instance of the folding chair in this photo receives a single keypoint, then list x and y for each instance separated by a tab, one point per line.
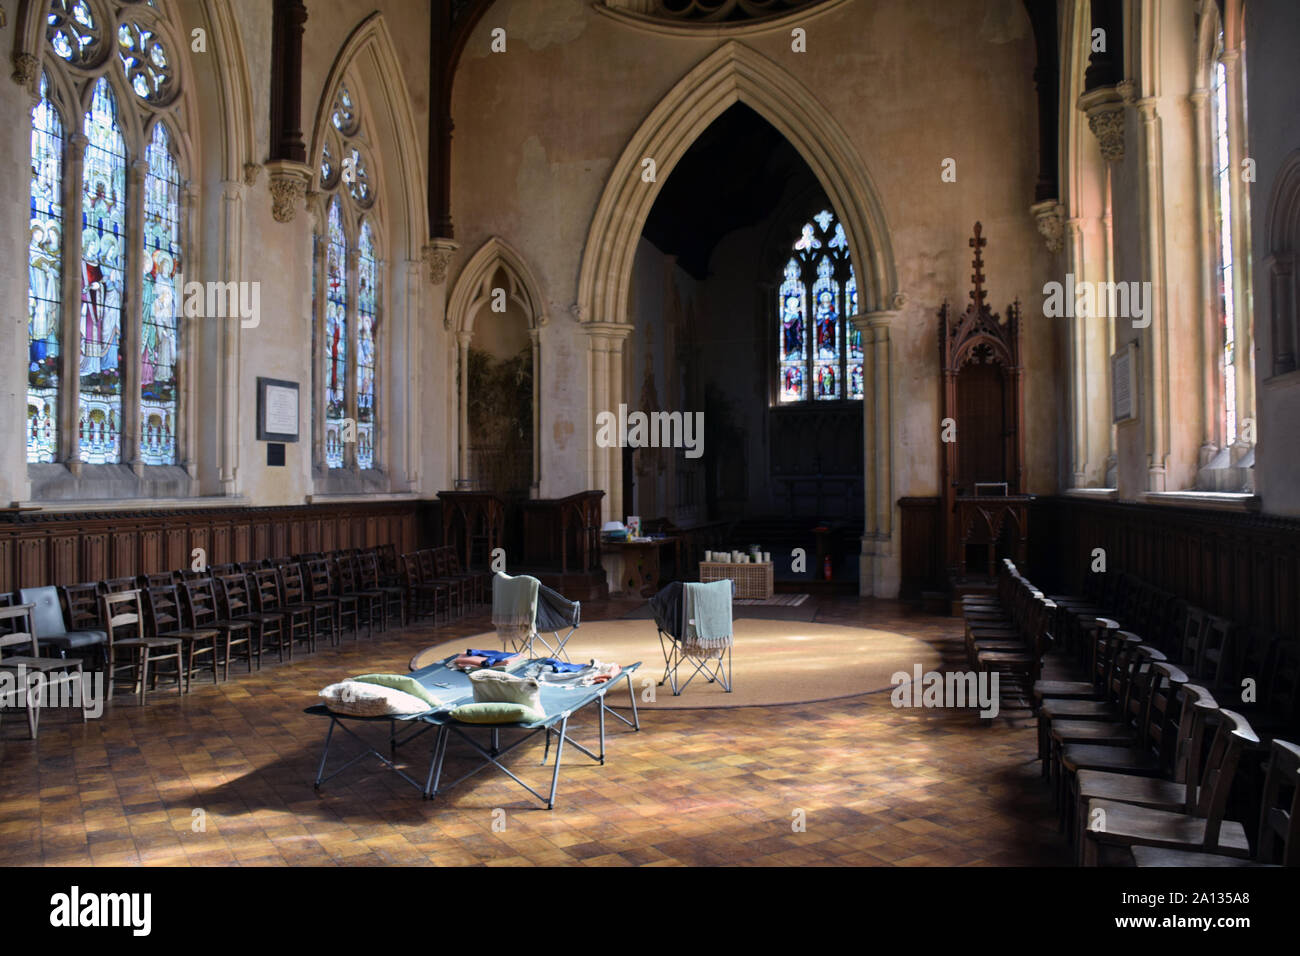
557	616
679	638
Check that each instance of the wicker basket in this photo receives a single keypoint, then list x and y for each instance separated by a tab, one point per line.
753	581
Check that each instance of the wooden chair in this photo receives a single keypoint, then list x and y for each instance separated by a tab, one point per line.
266	602
34	674
115	585
370	601
236	603
163	616
161	580
138	653
1121	825
371	579
1176	793
478	580
1278	843
423	597
202	611
322	587
293	591
1149	754
430	575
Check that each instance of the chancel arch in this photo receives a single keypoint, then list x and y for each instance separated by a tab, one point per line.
495	308
736	73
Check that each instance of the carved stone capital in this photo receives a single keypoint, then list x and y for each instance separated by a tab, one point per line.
1050	217
437	256
1105	109
288	184
26	68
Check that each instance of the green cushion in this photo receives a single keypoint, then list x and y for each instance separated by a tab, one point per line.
403	682
497	712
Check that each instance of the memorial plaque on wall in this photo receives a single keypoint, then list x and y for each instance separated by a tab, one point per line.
1124	384
277	410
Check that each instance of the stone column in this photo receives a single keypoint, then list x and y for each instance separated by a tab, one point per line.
462	418
68	411
132	331
877	449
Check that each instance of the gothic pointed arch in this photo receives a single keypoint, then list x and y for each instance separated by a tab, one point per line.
495	268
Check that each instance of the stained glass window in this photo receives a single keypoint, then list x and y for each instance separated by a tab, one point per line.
367	328
72	30
347	317
344	114
820	353
45	271
1227	264
159	342
144	62
336	336
103	234
855	336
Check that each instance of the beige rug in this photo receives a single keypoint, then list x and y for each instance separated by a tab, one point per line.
773	662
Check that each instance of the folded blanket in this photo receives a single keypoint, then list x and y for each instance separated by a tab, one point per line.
469	660
492	657
600	672
560	667
708	615
514	607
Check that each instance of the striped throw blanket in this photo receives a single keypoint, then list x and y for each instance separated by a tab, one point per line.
514	608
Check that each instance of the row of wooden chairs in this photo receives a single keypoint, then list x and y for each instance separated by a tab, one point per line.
1258	672
1144	760
434	581
185	622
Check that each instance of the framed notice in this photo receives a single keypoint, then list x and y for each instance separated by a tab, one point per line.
277	410
1124	384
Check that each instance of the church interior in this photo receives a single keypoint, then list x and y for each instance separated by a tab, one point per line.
650	433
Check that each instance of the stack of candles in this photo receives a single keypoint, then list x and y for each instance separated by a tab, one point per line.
736	557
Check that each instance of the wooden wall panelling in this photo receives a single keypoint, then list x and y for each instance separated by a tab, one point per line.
8	567
241	546
200	539
57	548
63	557
261	539
33	571
176	553
152	558
1242	566
221	551
94	557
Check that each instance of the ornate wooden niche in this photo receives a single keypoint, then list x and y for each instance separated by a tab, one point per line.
983	468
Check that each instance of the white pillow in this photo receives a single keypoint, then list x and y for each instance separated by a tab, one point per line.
359	699
500	687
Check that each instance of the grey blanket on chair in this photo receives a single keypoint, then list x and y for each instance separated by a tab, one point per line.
708	615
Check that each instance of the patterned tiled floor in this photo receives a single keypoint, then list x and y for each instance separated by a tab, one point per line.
224	775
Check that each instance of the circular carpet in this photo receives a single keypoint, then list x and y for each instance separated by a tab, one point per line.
773	662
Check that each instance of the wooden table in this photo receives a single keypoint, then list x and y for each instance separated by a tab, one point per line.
636	566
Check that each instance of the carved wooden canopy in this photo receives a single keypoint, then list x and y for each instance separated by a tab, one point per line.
978	334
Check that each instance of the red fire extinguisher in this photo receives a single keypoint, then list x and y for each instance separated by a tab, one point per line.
826	568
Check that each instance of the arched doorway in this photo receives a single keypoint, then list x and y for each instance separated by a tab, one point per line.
735	73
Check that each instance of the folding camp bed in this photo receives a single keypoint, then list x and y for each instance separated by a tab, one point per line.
560	701
680	643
